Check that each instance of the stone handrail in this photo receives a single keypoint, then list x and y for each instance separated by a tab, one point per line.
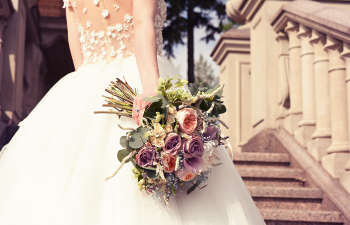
316	39
320	17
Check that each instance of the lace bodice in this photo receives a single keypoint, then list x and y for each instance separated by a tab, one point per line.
106	27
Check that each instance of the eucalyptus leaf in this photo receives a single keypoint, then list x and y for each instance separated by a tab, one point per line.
135	141
122	154
124	141
142	132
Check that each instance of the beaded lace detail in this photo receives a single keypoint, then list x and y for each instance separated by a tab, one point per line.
114	38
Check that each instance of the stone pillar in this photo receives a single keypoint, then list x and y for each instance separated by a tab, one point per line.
338	153
307	125
294	113
283	81
345	179
321	138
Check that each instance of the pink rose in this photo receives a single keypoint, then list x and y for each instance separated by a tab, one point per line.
185	175
169	163
187	119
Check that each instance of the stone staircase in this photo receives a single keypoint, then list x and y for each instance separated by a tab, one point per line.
282	191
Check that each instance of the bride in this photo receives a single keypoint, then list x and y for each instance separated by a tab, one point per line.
53	169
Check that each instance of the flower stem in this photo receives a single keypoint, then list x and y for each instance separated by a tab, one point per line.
121	165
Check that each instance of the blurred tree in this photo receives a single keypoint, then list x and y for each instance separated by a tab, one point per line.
205	74
186	15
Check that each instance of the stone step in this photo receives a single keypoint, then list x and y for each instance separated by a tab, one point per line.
285	192
305	217
261	157
307	198
272	173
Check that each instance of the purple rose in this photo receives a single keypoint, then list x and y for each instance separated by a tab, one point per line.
146	155
210	133
172	143
193	164
193	147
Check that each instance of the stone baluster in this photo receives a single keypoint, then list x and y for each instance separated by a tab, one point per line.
345	179
321	138
295	111
307	125
283	70
338	153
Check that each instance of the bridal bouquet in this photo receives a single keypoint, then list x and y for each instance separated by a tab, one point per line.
176	145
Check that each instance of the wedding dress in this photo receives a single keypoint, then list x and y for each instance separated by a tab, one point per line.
52	172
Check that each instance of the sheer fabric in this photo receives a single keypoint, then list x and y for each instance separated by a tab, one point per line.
106	27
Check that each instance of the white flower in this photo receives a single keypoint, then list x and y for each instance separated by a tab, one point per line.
127	18
113	53
100	34
119	27
105	13
84	10
82	39
122	45
126	27
96	2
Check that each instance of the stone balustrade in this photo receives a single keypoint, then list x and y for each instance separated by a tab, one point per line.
317	81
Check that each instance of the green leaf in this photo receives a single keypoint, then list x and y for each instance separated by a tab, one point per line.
165	103
142	132
218	109
139	177
205	105
151	173
194	186
135	141
153	99
124	142
180	83
122	154
150	112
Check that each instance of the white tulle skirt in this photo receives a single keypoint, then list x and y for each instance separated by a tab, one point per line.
52	172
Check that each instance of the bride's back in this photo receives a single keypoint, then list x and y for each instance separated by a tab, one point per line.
106	27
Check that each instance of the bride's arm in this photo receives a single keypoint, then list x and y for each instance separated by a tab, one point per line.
73	38
145	44
146	52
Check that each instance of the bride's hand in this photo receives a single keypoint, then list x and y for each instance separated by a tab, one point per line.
140	104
